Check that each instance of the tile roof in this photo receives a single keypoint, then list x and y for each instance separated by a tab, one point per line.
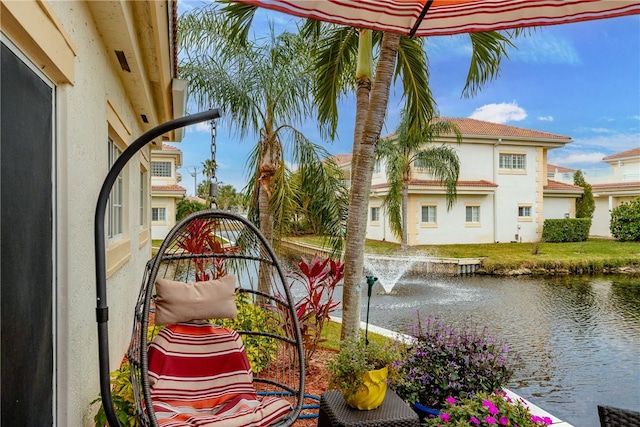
628	153
616	186
556	185
341	159
173	187
560	169
434	183
167	147
479	127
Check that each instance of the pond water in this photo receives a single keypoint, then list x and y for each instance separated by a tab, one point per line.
579	337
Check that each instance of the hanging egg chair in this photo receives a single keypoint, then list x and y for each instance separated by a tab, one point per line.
215	340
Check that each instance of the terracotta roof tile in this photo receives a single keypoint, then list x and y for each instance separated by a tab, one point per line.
559	168
615	185
556	185
628	153
173	187
167	147
341	159
479	127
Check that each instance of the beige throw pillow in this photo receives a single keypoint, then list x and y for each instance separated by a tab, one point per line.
183	302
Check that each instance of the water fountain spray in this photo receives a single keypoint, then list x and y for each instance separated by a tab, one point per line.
370	281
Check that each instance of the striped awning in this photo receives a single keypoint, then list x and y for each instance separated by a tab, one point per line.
446	17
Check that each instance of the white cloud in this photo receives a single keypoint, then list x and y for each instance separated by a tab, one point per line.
499	113
573	158
544	47
545	118
613	143
202	127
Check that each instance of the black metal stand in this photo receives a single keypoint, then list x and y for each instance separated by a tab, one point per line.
370	281
102	310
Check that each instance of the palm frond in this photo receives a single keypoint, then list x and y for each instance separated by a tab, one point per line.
488	49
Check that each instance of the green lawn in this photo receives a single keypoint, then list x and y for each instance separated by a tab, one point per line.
591	256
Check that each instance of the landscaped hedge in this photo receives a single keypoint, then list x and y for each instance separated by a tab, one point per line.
566	230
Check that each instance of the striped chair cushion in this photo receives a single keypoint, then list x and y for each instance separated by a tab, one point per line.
200	376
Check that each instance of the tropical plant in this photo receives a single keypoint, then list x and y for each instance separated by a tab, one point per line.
318	278
344	60
406	151
357	357
260	348
585	204
122	397
264	88
186	207
487	410
625	221
451	362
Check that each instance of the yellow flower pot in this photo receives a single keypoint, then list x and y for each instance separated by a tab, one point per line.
371	394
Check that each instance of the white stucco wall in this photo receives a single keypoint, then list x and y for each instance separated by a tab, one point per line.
160	229
557	207
82	164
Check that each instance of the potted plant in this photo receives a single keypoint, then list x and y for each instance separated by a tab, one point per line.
445	361
360	371
489	410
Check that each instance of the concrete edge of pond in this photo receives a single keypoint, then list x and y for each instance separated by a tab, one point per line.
533	408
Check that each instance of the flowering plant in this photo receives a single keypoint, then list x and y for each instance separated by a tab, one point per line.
487	410
445	361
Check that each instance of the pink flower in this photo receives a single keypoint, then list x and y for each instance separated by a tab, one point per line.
474	420
489	420
451	400
503	421
492	409
445	417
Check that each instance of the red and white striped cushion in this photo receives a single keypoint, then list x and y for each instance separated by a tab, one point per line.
200	376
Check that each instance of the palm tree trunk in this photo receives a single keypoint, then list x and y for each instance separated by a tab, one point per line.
362	171
405	207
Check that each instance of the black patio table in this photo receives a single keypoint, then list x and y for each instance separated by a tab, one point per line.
394	412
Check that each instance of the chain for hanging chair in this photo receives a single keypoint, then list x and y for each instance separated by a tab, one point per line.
213	180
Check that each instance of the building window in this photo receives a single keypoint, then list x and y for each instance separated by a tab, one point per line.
377	167
115	208
512	161
375	214
524	211
162	169
472	214
158	214
143	197
429	214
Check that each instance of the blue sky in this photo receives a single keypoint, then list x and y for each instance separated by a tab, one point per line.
580	80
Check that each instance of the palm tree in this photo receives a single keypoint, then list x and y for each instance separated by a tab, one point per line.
407	150
264	89
337	50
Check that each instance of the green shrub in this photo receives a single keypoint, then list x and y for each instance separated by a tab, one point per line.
566	230
122	397
261	350
625	221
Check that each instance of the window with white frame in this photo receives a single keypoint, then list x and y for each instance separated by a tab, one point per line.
512	161
375	214
429	214
158	214
115	207
472	214
162	169
143	197
524	211
377	167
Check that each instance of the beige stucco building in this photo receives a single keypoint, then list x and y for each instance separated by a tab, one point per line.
611	186
165	190
504	193
81	80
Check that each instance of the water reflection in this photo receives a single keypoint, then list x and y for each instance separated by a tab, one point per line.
578	336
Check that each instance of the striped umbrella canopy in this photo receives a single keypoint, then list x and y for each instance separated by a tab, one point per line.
446	17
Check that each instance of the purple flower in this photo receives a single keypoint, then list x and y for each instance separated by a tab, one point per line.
489	420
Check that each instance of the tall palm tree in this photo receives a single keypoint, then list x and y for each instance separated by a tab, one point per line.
339	51
406	150
264	90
